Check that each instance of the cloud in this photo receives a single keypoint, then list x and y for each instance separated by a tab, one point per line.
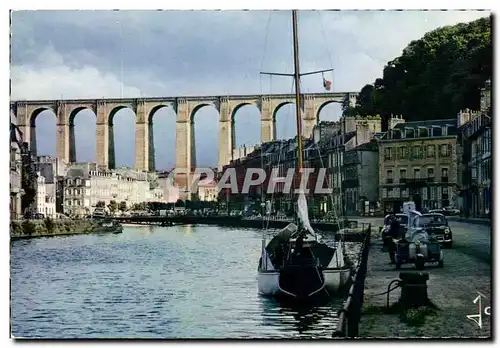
78	54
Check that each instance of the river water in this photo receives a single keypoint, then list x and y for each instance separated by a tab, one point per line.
152	282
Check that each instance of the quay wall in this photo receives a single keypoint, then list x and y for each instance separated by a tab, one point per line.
238	222
21	229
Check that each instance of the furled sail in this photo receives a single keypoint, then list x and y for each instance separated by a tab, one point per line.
303	214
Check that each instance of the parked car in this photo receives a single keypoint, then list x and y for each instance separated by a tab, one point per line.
437	224
448	211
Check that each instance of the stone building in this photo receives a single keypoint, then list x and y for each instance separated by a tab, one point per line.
45	200
53	170
361	178
170	193
86	184
418	162
475	162
242	152
15	184
356	131
207	191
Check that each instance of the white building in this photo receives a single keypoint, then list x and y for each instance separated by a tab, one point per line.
86	185
207	191
45	203
170	193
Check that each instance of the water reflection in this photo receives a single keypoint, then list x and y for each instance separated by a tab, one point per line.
187	229
301	319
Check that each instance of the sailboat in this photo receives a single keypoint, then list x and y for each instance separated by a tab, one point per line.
296	263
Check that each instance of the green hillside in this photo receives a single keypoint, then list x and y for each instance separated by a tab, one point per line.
435	77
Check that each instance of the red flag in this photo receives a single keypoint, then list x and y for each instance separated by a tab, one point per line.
327	84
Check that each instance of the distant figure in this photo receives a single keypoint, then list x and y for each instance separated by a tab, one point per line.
394	233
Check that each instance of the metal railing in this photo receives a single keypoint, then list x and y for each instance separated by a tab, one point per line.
350	314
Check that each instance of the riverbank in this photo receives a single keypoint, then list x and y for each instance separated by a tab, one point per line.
23	229
451	289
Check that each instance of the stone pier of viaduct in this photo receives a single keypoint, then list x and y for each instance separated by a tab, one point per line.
26	112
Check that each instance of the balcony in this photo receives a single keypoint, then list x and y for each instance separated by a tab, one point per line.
389	181
444	179
417	181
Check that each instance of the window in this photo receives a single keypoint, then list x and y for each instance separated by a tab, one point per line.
431	151
404	152
445	191
423	132
416	152
384	193
388	153
402	173
430	172
444	172
444	150
416	173
389	177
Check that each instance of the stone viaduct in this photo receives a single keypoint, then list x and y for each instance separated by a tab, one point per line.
26	112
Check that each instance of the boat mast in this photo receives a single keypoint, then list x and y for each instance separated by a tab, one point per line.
297	90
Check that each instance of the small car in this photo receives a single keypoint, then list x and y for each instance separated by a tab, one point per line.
437	224
419	245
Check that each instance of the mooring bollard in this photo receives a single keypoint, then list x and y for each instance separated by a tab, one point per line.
414	289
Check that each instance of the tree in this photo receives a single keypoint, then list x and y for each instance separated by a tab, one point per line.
28	177
100	204
112	206
123	206
435	77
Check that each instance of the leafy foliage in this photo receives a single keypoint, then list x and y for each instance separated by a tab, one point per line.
112	206
28	177
123	206
101	204
435	77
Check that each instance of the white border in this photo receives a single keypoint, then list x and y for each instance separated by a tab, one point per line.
186	4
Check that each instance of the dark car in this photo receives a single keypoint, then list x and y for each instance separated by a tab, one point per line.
437	224
403	225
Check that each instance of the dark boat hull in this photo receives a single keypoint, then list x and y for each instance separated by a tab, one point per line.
302	282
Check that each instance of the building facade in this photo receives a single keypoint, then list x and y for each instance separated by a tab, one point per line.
418	162
207	191
45	202
86	184
475	162
16	190
347	179
361	174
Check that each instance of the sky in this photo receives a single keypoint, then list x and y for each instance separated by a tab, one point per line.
79	54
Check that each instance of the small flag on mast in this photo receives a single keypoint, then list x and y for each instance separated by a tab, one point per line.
327	84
